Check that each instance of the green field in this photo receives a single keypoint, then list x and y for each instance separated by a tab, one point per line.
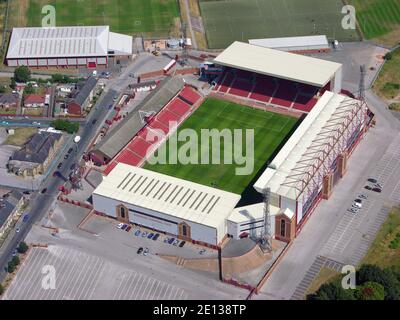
227	21
378	18
270	129
152	17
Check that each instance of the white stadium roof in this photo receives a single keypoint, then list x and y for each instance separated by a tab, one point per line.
169	195
291	42
66	42
277	63
294	158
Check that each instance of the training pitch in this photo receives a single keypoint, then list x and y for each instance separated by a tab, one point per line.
227	21
153	17
270	130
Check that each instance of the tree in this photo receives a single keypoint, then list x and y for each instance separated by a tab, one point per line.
29	89
332	291
22	248
370	291
65	125
2	89
387	278
1	289
22	74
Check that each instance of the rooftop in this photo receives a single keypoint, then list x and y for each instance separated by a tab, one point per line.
175	197
287	42
285	65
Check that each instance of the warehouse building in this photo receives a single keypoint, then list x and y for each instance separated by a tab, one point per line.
307	44
191	211
66	47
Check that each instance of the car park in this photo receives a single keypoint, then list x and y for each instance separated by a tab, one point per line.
120	225
182	244
156	236
146	251
140	250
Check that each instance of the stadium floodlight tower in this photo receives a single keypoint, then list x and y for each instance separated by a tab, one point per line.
265	238
361	89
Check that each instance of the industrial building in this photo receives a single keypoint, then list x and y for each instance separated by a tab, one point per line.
306	44
66	47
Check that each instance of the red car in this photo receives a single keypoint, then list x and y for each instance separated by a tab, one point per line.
128	228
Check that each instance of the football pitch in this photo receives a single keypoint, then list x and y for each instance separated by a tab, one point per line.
227	21
153	17
270	130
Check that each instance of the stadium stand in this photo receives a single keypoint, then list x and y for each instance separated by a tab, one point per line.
174	111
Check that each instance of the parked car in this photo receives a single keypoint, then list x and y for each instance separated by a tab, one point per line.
120	225
146	251
25	218
378	190
17	230
156	236
202	251
26	192
182	244
140	250
372	180
176	242
59	165
150	235
128	229
144	234
124	226
368	187
70	150
44	190
378	185
363	196
137	233
358	200
357	205
14	253
166	240
171	240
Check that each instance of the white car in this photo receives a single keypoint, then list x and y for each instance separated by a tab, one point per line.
146	251
357	204
120	225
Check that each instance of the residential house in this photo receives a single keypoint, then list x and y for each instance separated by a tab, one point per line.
36	155
34	100
9	101
10	205
82	96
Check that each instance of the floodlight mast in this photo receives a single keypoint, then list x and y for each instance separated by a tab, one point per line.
266	238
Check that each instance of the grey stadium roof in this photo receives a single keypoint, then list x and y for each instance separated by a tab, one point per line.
126	130
66	42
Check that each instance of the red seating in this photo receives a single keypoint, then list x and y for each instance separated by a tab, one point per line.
139	146
304	103
188	94
241	88
129	157
178	107
227	83
167	118
159	126
264	89
285	94
307	89
109	168
243	74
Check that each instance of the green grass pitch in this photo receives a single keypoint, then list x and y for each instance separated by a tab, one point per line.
153	17
377	17
226	21
270	129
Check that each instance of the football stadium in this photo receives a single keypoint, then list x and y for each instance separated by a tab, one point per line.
305	129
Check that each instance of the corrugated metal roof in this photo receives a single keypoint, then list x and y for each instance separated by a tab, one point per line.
290	66
169	195
291	42
58	42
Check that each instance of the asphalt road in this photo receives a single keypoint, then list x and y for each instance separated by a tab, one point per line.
41	203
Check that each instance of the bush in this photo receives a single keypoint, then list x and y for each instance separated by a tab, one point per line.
22	74
1	289
370	291
22	248
65	125
29	89
388	56
332	291
387	278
